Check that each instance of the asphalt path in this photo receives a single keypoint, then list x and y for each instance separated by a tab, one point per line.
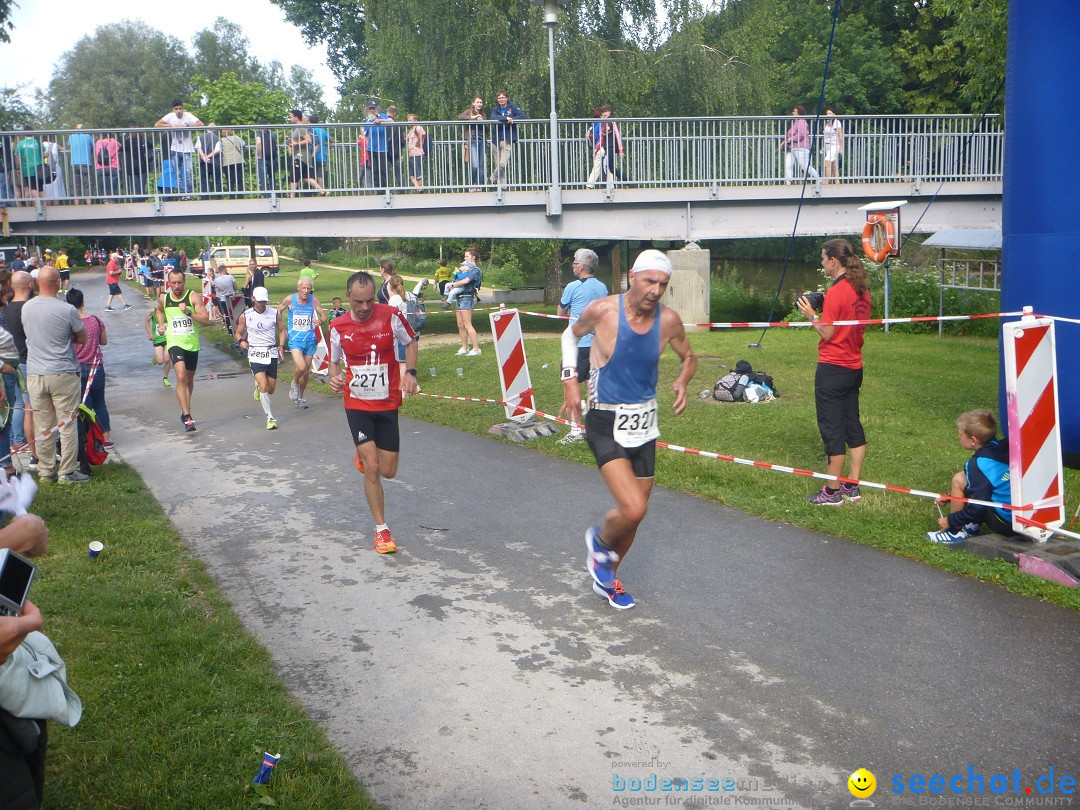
476	668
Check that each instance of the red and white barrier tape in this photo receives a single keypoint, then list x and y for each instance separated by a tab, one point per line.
774	467
783	324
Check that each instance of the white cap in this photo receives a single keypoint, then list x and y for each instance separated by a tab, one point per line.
260	294
652	260
48	250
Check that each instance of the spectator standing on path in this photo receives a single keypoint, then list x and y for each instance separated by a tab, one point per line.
386	269
179	313
475	142
364	338
180	145
463	308
256	333
112	278
208	148
52	329
232	162
840	369
578	294
87	354
255	278
606	139
9	367
298	315
81	149
22	418
224	291
796	146
504	136
631	331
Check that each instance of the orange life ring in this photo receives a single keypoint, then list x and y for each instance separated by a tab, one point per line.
868	238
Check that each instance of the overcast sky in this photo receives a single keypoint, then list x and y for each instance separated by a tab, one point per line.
44	28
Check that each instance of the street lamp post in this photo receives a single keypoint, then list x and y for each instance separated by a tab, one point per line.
551	19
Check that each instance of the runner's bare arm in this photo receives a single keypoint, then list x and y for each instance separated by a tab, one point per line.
319	311
200	315
681	344
161	314
337	382
241	328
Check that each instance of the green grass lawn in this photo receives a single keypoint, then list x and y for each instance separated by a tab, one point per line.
180	701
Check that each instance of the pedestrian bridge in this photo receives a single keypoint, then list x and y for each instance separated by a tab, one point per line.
677	179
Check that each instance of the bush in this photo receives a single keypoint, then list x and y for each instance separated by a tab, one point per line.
732	300
915	292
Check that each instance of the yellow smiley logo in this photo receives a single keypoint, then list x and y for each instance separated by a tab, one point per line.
862	784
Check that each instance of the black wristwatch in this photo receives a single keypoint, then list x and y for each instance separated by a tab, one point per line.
411	371
568	374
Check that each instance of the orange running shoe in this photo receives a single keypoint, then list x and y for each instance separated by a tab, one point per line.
357	462
384	543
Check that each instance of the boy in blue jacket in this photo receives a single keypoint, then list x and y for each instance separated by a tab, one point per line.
985	477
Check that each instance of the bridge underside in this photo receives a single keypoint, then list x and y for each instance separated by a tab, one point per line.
676	214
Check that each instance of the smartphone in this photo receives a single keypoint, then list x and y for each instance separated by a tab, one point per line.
16	574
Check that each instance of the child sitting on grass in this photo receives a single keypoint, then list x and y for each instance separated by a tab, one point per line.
985	477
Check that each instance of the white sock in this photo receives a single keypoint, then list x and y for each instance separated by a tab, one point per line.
264	400
381	527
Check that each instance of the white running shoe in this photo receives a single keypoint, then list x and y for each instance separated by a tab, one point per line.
473	353
294	392
462	351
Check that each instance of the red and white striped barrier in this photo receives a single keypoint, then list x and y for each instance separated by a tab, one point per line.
764	465
513	367
1035	468
320	361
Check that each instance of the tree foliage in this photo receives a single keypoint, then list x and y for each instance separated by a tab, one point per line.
123	75
230	101
224	49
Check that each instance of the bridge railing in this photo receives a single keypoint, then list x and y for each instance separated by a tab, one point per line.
155	164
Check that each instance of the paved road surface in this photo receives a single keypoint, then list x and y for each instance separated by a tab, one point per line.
475	668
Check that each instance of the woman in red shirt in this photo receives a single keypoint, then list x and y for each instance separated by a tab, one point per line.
839	370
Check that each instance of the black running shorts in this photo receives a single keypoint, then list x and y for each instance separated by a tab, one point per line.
380	427
599	433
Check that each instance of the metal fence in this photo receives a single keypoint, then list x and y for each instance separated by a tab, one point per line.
135	165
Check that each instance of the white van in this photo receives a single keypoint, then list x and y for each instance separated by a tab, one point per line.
236	258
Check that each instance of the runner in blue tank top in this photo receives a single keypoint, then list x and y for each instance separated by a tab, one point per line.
631	331
299	314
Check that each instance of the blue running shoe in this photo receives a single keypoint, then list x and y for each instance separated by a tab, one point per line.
615	595
950	538
601	560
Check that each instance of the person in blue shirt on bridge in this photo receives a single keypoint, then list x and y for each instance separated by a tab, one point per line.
577	295
375	133
985	477
81	149
322	148
504	136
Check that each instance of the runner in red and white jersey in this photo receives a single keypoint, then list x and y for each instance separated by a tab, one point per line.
364	338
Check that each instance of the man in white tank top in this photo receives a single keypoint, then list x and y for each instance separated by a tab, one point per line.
256	332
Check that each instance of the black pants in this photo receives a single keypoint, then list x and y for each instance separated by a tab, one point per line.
836	395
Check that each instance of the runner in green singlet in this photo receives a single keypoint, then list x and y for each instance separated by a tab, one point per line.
179	314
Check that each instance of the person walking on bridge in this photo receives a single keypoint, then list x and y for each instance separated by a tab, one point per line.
631	330
179	313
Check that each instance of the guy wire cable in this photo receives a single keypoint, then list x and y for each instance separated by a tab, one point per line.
806	175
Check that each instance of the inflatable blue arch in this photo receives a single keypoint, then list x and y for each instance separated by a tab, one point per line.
1041	193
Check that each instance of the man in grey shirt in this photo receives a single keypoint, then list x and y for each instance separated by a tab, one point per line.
52	376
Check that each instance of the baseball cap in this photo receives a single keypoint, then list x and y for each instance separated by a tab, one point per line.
260	294
652	260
